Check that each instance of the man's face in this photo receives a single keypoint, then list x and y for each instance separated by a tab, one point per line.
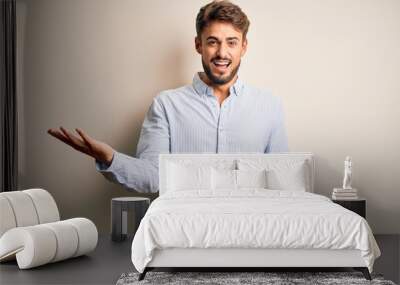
221	47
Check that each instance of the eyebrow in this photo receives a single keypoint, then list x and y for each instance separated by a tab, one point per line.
229	38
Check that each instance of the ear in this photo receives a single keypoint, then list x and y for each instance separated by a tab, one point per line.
197	43
244	47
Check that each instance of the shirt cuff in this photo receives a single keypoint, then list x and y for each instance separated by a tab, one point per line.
101	166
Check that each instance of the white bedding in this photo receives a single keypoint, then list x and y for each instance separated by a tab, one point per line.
250	218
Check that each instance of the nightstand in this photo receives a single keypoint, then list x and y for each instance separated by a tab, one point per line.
120	208
358	206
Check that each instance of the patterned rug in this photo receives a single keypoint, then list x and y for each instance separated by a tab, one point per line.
269	278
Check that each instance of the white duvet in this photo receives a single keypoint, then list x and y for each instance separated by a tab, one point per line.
251	218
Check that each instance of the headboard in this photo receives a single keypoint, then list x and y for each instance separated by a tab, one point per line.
228	160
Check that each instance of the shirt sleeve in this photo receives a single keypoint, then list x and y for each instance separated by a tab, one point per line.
140	173
278	141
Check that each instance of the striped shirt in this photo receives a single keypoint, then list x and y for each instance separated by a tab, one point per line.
189	119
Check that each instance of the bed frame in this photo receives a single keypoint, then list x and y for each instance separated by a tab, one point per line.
246	259
242	259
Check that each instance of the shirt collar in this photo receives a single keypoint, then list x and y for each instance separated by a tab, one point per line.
202	88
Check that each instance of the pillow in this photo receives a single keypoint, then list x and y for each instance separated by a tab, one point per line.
223	179
293	178
252	178
188	177
282	174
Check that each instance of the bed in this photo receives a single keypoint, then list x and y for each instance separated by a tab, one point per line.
246	210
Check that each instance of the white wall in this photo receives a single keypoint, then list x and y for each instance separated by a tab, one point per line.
97	64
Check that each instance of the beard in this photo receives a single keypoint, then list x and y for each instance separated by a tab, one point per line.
219	80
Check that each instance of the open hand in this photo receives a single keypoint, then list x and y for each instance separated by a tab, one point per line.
86	144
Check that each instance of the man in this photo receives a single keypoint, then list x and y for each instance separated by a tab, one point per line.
216	113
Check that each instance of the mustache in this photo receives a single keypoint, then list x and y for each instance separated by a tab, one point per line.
220	58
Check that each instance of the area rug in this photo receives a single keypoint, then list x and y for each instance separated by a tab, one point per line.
269	278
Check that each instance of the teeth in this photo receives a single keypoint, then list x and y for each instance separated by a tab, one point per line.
222	62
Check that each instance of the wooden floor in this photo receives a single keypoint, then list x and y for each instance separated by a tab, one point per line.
111	259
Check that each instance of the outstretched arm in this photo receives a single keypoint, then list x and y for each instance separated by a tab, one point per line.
141	172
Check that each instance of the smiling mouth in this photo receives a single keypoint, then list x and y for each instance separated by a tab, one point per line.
221	65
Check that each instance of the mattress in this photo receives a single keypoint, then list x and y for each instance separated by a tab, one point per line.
250	218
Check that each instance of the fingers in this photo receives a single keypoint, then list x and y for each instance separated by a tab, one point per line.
75	140
59	135
68	138
86	138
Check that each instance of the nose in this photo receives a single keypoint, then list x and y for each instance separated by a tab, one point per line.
222	50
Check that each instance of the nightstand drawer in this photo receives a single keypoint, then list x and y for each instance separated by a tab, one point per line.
357	206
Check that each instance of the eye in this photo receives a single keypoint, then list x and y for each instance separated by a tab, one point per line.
212	42
232	43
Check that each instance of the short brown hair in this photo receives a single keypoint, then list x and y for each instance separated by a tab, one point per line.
224	11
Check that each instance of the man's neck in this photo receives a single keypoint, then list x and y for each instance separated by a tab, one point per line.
220	91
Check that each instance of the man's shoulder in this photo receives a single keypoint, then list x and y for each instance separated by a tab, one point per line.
173	94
